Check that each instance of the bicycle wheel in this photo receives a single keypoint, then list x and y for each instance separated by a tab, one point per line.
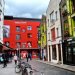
24	72
17	69
31	73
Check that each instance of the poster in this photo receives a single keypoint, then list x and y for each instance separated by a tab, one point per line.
6	31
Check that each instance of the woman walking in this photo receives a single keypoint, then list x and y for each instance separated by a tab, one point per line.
15	59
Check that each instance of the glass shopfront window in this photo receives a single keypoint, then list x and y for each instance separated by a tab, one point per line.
54	54
69	53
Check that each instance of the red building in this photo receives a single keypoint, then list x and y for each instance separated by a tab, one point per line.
21	34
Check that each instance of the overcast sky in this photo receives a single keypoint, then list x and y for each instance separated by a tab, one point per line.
26	8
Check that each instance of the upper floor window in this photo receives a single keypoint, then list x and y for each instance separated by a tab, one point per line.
29	44
56	15
57	32
23	30
52	16
18	37
53	34
23	45
29	27
18	44
18	28
29	35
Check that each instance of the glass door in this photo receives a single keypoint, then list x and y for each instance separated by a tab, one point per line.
69	55
73	55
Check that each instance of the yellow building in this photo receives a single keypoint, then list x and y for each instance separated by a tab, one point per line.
43	37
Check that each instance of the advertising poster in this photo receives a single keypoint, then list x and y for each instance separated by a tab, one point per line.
6	31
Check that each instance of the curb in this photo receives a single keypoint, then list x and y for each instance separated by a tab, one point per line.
72	70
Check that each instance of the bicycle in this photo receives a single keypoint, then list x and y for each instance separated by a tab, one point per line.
23	67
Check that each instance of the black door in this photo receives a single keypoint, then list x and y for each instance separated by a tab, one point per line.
73	48
69	55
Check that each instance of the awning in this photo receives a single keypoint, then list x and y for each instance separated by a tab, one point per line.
28	48
5	47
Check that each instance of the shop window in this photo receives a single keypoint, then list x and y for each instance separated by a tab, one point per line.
18	37
54	55
29	27
18	28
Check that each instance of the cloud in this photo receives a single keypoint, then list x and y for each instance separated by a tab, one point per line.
25	15
26	8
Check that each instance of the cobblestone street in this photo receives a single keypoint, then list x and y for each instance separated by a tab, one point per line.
44	69
9	70
39	68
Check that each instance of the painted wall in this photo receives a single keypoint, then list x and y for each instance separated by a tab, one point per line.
23	25
71	19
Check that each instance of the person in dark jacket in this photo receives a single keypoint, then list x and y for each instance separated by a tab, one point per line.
4	56
27	57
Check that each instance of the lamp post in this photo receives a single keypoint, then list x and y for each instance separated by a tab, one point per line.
60	41
18	52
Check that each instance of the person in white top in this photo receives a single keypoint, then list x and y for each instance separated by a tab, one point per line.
15	59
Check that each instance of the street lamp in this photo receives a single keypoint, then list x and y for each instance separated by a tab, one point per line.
18	52
60	41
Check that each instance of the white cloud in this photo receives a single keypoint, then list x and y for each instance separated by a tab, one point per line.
25	15
26	8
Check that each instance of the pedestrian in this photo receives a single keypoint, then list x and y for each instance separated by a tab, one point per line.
15	59
27	57
4	60
30	56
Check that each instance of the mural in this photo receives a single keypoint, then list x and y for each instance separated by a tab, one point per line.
6	31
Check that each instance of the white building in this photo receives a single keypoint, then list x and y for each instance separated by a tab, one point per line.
54	39
1	19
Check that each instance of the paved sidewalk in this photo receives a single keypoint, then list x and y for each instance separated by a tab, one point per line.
9	70
67	67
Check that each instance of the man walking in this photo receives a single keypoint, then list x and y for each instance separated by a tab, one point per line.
4	60
27	57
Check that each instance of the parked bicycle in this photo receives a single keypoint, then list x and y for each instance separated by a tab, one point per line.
23	67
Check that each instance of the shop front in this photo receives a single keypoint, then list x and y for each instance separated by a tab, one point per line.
34	52
69	52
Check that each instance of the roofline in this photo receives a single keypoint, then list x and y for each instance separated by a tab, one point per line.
8	17
28	19
21	18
